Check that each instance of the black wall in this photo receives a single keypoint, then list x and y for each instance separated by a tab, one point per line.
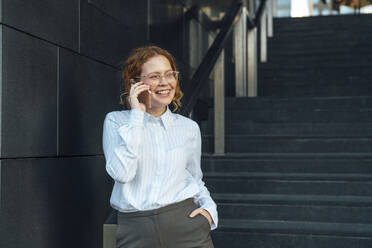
60	75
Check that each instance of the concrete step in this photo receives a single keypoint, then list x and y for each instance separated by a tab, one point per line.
310	129
291	212
319	44
326	71
338	60
296	227
317	82
303	103
315	89
347	163
294	200
289	186
350	177
290	235
295	115
277	144
363	51
317	23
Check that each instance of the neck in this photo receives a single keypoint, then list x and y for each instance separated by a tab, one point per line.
156	111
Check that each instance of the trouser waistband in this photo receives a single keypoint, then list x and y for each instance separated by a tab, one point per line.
169	207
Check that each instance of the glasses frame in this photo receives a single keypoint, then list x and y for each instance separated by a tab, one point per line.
161	76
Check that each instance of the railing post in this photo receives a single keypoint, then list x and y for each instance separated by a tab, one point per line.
270	18
320	7
252	62
330	7
252	55
240	54
263	36
195	41
310	4
219	105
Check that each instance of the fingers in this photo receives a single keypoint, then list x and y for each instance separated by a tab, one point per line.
137	88
203	212
134	92
140	89
195	212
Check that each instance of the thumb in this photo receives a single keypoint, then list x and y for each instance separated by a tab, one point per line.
194	213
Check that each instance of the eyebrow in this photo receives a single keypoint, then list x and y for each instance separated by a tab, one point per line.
158	72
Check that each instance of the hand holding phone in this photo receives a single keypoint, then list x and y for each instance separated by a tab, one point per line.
140	95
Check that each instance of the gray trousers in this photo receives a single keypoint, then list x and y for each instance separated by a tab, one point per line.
166	227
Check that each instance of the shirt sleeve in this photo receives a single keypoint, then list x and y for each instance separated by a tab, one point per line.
122	144
203	197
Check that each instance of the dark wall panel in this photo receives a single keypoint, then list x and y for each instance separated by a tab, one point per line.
29	93
54	202
54	20
167	26
88	90
105	38
135	12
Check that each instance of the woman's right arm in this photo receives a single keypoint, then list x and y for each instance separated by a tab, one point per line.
122	144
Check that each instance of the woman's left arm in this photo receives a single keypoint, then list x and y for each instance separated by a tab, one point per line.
193	165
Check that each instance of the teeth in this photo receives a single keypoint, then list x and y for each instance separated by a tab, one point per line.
164	92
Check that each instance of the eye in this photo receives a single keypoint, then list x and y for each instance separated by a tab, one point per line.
170	75
154	76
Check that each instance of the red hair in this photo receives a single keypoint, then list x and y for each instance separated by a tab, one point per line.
133	67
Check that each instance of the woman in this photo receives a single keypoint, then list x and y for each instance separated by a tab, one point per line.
154	157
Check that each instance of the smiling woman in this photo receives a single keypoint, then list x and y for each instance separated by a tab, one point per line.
154	157
139	66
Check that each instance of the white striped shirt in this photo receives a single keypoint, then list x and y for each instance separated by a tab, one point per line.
155	161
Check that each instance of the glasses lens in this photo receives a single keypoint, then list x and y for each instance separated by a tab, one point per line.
155	78
171	76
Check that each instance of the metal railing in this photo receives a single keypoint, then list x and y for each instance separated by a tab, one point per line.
244	20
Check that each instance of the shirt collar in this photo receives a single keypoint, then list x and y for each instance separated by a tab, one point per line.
166	117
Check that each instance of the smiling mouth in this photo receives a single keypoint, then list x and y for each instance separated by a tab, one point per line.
162	92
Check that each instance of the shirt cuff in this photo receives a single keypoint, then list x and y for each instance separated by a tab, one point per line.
213	214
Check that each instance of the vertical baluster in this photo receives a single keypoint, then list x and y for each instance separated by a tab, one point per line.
219	105
240	54
252	62
270	19
263	36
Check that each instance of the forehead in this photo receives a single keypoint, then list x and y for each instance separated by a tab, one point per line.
158	63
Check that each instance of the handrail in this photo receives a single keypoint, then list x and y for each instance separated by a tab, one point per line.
198	81
196	13
259	13
207	64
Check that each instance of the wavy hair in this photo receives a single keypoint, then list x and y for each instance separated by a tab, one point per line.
133	67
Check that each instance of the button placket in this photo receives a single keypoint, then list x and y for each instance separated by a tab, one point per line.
157	135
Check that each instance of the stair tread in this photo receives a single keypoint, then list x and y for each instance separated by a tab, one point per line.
337	119
295	199
290	176
297	136
248	225
269	66
254	155
287	99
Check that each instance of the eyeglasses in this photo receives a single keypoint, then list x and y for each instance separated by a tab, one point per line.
155	78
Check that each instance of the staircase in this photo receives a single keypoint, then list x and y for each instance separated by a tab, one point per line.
298	167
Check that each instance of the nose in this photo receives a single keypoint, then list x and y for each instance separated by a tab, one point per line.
163	81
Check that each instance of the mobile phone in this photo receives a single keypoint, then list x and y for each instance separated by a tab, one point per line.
141	97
